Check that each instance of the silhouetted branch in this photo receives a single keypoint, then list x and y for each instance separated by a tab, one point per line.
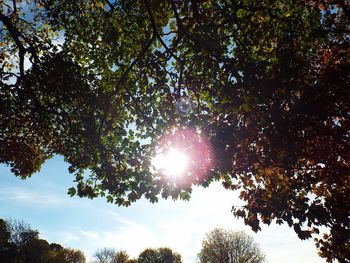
15	36
154	26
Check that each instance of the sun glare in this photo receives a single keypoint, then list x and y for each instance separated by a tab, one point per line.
183	155
173	162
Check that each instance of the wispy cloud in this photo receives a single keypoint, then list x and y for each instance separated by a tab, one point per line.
28	197
68	237
91	235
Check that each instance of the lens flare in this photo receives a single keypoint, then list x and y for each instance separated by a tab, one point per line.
184	105
183	155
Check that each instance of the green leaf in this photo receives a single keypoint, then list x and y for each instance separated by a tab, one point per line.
72	191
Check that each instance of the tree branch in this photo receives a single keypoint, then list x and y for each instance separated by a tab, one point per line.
176	14
110	5
14	7
154	27
132	64
15	36
122	80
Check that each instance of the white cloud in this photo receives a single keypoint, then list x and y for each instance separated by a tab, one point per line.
90	234
69	237
29	197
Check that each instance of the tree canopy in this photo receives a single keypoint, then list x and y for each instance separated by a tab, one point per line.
265	86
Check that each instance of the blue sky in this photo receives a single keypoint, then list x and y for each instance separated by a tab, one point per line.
42	201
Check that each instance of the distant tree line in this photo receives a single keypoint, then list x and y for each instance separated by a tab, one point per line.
149	255
218	246
19	243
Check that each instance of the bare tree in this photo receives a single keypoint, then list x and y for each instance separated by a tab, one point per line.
227	246
105	255
110	255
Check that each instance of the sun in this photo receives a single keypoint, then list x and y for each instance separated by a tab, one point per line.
173	162
181	155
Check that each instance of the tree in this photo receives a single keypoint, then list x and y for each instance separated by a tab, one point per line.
58	254
19	243
109	255
149	256
6	249
227	246
25	243
73	255
4	233
267	82
160	255
105	255
121	257
35	251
